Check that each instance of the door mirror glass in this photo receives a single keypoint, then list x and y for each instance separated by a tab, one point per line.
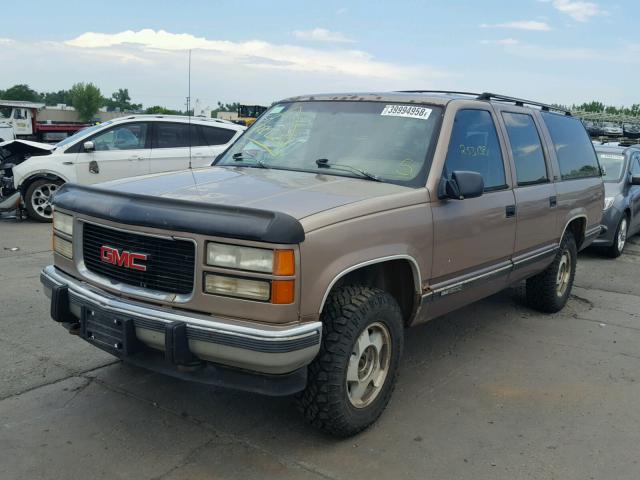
464	184
89	146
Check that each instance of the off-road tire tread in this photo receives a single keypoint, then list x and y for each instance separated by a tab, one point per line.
541	288
343	318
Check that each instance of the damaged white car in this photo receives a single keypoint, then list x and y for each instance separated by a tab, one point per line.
31	172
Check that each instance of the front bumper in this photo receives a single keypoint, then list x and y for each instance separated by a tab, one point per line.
610	220
185	344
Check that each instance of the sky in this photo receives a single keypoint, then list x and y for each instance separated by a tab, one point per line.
562	51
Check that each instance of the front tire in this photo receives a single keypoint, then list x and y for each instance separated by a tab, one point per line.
619	239
352	378
549	291
38	199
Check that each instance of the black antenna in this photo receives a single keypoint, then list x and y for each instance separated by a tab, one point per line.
189	108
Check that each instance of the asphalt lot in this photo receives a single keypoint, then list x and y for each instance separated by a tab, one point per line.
493	391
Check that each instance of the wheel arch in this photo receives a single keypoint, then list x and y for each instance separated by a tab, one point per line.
389	273
43	175
577	225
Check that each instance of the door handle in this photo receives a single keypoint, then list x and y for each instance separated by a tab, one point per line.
553	201
135	157
510	211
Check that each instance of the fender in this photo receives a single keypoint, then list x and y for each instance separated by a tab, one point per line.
417	280
46	174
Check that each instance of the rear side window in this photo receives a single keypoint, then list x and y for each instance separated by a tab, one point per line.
217	136
176	135
526	148
474	147
576	156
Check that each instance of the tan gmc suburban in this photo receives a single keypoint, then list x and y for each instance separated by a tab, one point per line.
294	263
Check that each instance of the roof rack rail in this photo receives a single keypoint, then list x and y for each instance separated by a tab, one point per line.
473	94
521	102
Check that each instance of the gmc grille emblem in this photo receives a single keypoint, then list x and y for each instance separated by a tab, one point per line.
123	259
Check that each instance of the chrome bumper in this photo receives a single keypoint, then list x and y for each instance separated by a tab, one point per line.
269	349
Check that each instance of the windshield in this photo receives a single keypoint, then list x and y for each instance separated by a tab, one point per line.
612	164
389	141
81	133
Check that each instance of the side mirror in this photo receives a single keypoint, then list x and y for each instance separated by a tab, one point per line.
89	146
464	184
635	179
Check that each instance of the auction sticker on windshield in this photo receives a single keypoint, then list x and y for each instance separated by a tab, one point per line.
408	111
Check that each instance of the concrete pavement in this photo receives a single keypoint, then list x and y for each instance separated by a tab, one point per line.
493	391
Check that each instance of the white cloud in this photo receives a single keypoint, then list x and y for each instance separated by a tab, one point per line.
322	35
520	25
578	10
256	54
5	41
502	41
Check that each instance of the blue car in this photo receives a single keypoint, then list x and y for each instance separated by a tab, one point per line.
622	196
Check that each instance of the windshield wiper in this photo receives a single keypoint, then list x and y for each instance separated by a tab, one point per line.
239	157
324	163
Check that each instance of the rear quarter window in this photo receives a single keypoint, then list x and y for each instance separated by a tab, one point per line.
574	150
217	136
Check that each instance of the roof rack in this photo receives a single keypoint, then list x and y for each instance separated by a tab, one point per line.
521	102
453	92
494	96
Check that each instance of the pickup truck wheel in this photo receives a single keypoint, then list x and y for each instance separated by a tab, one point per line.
352	378
38	199
549	290
619	239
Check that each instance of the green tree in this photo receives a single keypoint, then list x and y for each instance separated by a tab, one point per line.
121	100
158	110
54	98
21	92
86	99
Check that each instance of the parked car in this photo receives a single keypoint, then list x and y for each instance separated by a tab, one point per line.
612	129
622	197
121	148
631	130
294	264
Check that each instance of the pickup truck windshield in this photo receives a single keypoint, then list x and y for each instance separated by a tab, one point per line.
391	142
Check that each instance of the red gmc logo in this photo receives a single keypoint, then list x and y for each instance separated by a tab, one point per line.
122	259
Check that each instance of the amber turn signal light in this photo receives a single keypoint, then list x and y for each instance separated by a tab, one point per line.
284	262
282	291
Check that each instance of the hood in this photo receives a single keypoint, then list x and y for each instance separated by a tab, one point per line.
298	194
17	151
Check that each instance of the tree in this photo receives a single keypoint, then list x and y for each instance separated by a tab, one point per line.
158	110
86	99
54	98
21	92
122	101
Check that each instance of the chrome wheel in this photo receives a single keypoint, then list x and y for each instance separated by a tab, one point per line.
564	273
622	234
41	199
369	365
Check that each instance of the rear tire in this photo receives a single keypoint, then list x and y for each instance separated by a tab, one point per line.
549	291
352	378
38	197
619	239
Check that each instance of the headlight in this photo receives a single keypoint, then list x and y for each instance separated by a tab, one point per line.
278	262
62	246
237	287
63	222
608	202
